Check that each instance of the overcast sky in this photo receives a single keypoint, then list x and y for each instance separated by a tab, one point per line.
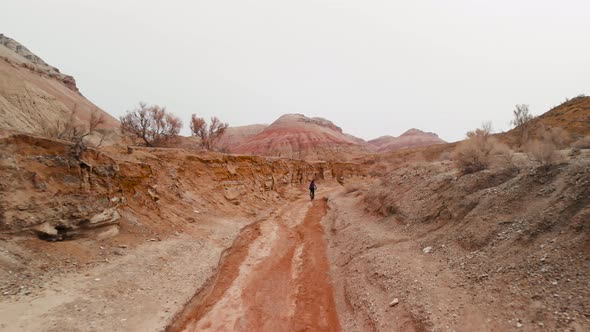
372	67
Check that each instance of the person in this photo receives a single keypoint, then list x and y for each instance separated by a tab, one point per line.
312	188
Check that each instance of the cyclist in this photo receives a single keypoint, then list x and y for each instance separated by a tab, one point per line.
312	188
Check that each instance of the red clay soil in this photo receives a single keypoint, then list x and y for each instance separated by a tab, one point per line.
287	289
315	309
227	272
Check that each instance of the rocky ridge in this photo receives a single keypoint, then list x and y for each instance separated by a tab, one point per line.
35	95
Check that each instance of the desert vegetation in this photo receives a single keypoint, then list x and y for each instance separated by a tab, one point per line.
208	134
544	149
522	121
75	131
582	143
152	124
477	151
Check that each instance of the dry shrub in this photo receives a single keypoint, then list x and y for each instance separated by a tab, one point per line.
379	200
522	122
477	152
208	135
446	156
152	124
582	143
557	136
543	152
77	132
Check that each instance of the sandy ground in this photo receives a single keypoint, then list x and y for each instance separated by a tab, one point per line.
139	291
276	279
384	282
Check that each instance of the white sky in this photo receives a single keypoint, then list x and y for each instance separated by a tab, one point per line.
372	67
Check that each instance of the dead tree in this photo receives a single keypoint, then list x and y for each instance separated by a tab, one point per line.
208	135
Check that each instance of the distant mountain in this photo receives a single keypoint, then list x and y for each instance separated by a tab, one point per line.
34	94
235	136
412	138
300	137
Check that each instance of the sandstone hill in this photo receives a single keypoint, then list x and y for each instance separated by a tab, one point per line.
300	137
34	94
235	136
572	115
412	138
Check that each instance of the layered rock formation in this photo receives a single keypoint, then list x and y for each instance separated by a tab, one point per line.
412	138
34	94
235	136
46	192
300	137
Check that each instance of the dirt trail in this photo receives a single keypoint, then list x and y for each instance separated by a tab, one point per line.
275	278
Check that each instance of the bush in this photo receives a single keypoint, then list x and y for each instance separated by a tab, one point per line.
543	152
582	143
75	131
152	124
380	200
208	135
522	121
554	135
476	153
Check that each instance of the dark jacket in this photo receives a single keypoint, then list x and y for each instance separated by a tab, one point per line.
312	186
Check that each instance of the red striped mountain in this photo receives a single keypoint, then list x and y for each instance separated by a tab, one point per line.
300	137
412	138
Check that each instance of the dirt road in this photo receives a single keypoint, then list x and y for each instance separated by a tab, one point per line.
275	278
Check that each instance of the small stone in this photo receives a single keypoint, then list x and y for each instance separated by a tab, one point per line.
394	302
519	325
427	250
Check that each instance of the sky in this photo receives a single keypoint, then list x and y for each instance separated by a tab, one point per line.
372	67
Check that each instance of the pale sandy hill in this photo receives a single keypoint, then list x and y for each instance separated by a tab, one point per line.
34	94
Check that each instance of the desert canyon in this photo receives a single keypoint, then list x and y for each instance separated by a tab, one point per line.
406	233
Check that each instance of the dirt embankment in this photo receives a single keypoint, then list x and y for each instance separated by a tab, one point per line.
496	250
90	238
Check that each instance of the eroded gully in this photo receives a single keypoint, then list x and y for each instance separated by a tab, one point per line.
274	278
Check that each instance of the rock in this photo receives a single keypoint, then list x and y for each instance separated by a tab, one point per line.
70	82
427	250
153	195
394	302
519	325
